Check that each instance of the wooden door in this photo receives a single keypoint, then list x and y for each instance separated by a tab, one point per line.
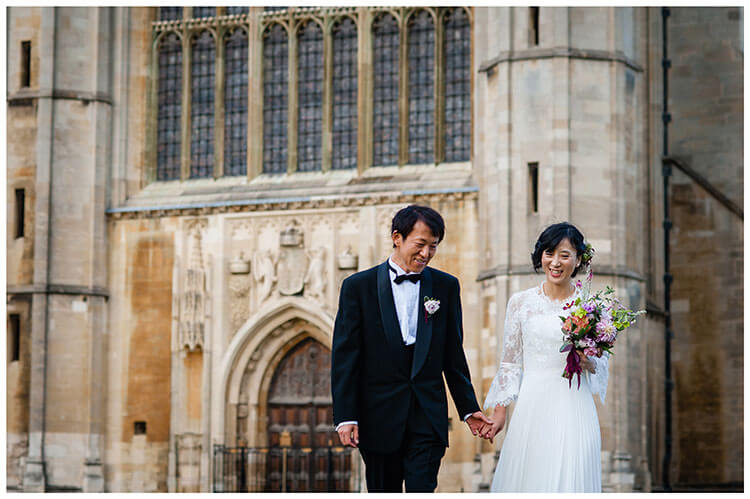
300	409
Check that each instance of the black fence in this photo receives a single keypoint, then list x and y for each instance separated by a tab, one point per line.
286	469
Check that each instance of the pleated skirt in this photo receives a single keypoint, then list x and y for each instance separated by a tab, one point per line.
553	442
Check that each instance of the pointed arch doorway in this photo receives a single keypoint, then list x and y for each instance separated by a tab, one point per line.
280	431
304	452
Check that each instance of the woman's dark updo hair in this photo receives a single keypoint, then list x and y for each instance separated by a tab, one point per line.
551	237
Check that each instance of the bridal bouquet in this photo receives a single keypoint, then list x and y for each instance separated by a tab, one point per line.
592	326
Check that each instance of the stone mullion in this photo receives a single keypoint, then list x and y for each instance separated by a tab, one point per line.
364	89
470	14
255	94
439	90
219	90
152	123
187	61
403	91
292	112
327	118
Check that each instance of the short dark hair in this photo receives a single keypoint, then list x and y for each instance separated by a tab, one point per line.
404	220
551	237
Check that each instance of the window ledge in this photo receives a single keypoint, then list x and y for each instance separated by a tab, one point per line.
333	188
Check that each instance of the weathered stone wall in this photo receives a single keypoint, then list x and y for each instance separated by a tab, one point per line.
706	132
577	117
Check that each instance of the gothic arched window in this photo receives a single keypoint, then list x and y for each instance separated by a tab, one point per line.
344	153
457	50
170	108
385	44
275	94
310	97
170	13
421	73
199	12
235	103
234	10
202	89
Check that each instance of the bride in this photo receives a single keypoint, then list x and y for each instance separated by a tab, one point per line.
553	443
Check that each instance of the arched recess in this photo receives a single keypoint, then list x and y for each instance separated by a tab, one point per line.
252	358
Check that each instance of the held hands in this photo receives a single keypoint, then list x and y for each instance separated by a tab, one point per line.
349	435
586	363
496	424
478	424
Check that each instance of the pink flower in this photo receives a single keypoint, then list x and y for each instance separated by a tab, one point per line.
592	352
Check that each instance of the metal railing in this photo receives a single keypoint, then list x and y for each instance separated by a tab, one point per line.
285	469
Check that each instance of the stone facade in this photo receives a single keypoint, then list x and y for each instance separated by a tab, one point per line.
153	315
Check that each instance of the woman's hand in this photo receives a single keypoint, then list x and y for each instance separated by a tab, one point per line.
586	363
498	422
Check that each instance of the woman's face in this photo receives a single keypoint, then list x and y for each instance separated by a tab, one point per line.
559	263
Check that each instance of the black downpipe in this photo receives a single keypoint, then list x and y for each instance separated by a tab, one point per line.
666	173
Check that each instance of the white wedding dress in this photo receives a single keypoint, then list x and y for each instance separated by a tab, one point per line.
553	442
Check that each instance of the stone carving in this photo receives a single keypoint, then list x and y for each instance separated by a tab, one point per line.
315	278
264	272
239	265
239	306
348	260
292	262
193	301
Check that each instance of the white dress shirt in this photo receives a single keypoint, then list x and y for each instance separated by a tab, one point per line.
406	299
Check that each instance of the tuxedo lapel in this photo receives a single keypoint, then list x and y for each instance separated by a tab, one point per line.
388	316
424	327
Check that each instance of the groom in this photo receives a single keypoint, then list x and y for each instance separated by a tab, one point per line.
398	331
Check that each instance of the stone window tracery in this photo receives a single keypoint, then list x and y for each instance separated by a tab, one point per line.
202	105
457	50
170	13
421	88
345	79
275	105
337	88
169	108
310	97
386	78
235	103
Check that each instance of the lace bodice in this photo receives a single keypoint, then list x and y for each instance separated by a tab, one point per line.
532	341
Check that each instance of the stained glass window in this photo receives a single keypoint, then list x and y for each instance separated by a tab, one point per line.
170	13
310	97
202	106
275	92
232	11
235	104
421	88
344	154
457	38
170	108
204	12
385	45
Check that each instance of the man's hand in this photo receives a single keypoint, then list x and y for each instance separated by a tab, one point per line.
477	421
498	421
349	435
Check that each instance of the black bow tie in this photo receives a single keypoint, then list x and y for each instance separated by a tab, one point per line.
405	277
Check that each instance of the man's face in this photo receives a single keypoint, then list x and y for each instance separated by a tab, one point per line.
414	252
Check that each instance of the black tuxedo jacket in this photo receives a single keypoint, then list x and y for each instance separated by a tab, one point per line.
369	386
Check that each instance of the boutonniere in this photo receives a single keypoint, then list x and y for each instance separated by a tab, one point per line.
431	305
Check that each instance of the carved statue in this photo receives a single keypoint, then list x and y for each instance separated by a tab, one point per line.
264	271
315	278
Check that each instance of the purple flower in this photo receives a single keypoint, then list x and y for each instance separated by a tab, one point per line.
591	352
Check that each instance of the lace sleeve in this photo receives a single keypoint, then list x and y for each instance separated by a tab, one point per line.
598	381
507	382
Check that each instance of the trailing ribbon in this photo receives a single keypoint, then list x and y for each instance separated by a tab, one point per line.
572	365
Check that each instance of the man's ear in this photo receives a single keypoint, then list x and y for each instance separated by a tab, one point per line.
396	238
